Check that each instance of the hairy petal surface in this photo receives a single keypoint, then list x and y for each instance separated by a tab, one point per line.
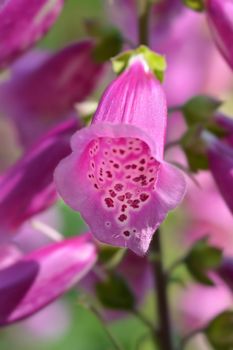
42	276
23	23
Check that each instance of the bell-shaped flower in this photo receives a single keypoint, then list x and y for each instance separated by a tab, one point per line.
44	87
23	23
220	18
28	188
116	175
40	277
220	156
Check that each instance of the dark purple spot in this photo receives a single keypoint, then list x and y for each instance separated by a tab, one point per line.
112	193
144	197
126	233
109	202
122	217
121	198
118	187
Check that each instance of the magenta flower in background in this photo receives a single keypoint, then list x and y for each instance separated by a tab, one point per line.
27	188
225	271
208	215
201	206
210	300
220	18
220	156
22	23
116	176
40	277
44	88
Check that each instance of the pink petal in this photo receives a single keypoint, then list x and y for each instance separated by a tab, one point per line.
120	210
220	17
136	98
69	76
23	23
42	276
27	188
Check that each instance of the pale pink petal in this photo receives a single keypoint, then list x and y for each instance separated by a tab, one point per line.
114	180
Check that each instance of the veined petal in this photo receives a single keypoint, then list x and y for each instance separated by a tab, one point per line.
136	98
23	23
220	17
42	276
114	179
28	188
44	87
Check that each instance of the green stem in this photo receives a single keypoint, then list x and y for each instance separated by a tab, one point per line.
153	331
165	331
144	7
111	337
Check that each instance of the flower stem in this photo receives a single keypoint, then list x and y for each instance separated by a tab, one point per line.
144	7
111	337
165	331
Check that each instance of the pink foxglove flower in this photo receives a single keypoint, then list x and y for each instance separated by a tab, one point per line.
42	276
220	17
22	23
43	88
220	156
27	188
116	175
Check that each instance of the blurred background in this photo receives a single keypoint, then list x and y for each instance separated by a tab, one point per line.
66	324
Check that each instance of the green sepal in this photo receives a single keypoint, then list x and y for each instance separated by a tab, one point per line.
196	5
156	63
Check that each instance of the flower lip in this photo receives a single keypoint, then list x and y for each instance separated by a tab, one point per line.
122	206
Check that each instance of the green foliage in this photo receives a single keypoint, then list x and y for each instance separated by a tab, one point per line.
109	40
200	109
194	149
201	259
219	332
114	293
156	62
196	5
